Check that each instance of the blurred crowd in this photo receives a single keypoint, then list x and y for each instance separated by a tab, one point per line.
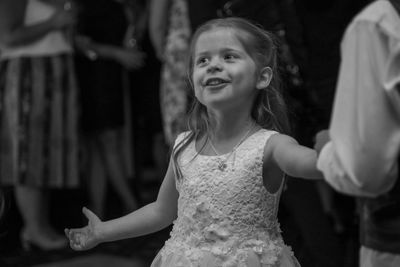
94	92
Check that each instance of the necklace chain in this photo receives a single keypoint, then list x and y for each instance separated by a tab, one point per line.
222	163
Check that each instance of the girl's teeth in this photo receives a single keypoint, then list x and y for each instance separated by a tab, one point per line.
214	82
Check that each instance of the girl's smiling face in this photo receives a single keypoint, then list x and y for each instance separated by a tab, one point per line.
224	74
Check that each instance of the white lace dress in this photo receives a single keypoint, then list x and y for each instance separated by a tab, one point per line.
225	218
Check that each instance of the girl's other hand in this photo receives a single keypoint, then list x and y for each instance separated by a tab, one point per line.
321	138
86	237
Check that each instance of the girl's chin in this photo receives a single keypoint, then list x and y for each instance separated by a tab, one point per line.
215	102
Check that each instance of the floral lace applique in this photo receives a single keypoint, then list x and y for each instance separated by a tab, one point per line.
226	214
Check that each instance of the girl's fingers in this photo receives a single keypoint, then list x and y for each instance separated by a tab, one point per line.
67	233
77	238
72	234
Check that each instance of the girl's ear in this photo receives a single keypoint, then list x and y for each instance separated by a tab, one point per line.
264	78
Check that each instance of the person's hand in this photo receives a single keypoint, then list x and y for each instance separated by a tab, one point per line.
86	237
83	43
130	58
63	19
321	138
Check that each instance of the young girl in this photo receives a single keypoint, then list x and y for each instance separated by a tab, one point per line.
225	177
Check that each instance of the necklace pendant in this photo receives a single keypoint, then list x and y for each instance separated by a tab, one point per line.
222	166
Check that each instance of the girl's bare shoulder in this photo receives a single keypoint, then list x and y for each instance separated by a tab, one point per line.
278	140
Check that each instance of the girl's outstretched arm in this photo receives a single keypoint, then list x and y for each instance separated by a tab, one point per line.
148	219
294	159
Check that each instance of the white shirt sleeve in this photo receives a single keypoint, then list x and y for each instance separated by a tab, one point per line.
361	158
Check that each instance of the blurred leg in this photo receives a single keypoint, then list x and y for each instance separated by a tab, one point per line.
97	179
30	202
115	169
45	216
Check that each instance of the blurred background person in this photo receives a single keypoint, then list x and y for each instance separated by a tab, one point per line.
320	28
362	158
108	49
38	111
170	33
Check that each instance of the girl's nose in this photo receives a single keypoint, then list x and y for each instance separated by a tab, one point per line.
214	66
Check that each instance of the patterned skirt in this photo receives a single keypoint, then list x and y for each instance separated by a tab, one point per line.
38	122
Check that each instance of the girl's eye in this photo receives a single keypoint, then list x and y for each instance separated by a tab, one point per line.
230	57
201	61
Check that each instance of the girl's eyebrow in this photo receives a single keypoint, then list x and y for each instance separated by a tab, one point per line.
201	54
223	50
233	50
230	49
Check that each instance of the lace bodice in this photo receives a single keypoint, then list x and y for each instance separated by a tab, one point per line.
226	213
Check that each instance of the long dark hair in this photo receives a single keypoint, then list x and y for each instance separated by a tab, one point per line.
269	108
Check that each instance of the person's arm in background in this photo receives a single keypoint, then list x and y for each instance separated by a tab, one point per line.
129	58
158	25
13	32
361	158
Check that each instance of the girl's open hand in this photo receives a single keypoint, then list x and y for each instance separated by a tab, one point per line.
86	237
